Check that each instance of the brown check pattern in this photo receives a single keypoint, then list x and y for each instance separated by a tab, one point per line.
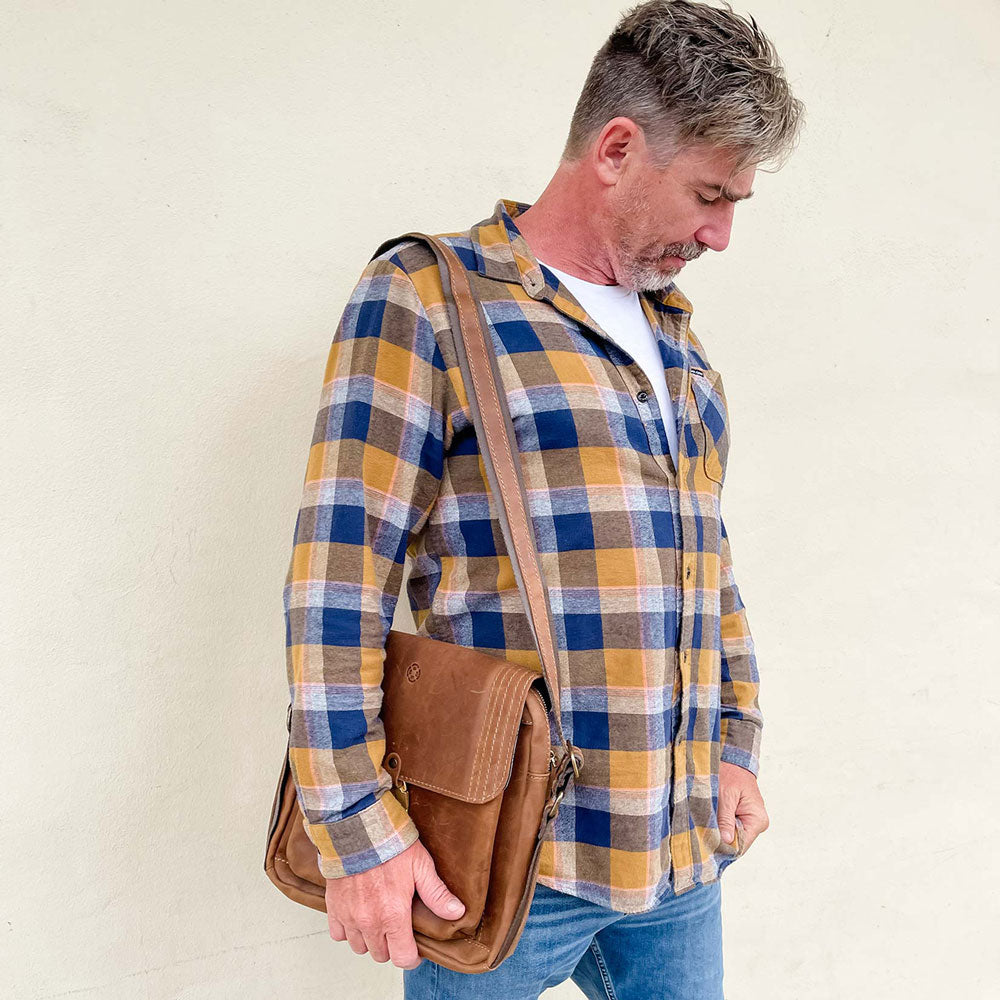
656	661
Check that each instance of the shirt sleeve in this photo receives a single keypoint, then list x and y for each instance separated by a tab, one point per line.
373	473
742	720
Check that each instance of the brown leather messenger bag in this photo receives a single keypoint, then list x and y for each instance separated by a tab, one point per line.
467	734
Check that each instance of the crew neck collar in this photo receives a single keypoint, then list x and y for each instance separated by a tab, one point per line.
612	291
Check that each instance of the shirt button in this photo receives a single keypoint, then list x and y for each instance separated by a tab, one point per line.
642	395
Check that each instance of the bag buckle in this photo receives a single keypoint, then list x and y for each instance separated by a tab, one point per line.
575	758
553	809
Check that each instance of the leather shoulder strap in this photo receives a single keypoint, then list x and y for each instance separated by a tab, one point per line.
498	446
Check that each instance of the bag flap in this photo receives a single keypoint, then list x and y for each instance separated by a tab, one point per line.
451	716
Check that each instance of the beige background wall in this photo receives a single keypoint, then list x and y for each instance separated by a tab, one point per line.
189	192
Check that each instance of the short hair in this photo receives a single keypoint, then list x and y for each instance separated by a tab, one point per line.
688	73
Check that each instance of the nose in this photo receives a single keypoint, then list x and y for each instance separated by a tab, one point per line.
716	233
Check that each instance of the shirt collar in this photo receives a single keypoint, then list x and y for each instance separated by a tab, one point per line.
503	254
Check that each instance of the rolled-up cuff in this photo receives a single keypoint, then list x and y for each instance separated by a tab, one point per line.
364	839
741	743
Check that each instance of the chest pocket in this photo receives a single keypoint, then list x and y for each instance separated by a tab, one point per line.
713	419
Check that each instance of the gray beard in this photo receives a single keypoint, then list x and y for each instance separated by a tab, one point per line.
642	278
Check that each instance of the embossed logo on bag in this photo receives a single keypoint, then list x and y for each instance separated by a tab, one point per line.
413	672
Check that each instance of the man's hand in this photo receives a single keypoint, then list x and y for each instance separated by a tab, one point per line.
373	909
740	797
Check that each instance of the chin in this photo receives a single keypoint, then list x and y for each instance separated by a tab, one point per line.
654	279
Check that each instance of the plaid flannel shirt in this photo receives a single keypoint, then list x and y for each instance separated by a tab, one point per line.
648	620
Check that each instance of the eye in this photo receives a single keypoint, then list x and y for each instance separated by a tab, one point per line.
705	201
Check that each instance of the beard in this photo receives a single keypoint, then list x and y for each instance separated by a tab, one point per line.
644	267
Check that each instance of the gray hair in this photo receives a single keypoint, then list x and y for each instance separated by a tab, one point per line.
687	73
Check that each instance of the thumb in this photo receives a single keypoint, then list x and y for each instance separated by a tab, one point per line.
727	825
434	892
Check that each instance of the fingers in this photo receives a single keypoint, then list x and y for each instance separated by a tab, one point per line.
373	910
730	796
377	947
389	936
368	935
755	822
402	946
739	797
395	942
356	940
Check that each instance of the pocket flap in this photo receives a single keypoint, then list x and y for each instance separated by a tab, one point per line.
451	715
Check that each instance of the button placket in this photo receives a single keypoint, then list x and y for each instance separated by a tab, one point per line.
656	431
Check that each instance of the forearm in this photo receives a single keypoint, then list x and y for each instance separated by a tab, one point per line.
373	474
337	740
742	720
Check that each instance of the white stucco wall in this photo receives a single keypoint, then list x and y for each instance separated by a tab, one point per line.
188	193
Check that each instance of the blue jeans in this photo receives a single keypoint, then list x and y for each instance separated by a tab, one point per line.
671	952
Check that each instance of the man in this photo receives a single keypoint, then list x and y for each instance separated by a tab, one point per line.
623	432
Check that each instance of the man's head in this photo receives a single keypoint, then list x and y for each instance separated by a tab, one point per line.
656	219
681	105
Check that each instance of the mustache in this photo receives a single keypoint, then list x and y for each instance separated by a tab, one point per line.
683	251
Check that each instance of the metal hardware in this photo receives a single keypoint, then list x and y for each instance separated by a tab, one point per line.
554	808
571	756
398	789
401	794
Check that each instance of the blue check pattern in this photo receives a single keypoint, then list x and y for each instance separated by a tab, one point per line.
656	660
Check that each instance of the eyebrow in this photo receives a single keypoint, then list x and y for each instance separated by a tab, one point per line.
728	195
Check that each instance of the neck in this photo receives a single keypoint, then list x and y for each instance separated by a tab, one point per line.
562	227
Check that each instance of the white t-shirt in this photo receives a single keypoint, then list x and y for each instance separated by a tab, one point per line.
620	315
